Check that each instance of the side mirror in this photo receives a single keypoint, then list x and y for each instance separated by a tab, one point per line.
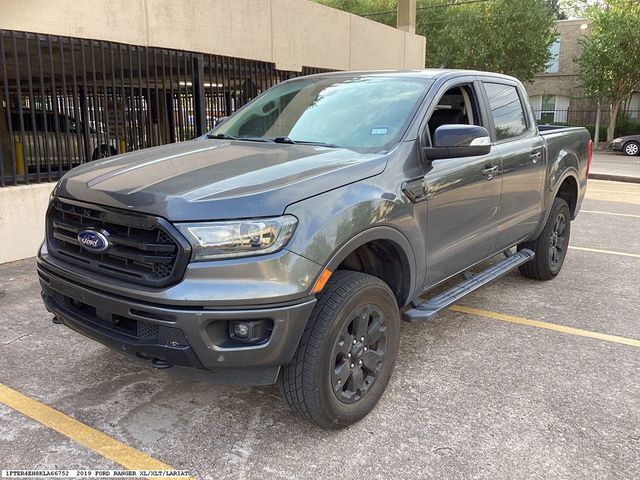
455	141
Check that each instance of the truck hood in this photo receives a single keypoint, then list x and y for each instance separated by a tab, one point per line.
217	179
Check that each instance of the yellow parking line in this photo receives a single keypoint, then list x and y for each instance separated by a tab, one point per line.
549	326
611	213
91	438
609	252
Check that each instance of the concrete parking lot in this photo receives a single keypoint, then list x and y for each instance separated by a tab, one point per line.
522	380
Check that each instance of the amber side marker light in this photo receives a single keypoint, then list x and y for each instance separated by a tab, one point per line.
322	280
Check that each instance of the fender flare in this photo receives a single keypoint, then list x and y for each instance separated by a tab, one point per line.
571	172
379	232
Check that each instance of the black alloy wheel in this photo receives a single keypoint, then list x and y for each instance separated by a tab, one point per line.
359	353
558	243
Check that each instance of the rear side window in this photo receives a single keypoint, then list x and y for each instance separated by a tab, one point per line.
506	109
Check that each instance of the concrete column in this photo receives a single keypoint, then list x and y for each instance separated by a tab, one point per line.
406	17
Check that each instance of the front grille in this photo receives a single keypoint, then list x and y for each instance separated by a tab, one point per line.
142	249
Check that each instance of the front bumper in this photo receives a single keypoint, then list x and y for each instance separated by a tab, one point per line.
182	336
616	146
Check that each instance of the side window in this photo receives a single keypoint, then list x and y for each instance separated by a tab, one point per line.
456	106
506	109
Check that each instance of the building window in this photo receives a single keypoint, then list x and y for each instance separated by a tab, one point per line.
548	109
554	62
551	108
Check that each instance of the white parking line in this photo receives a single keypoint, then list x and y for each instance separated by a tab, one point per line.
611	213
609	252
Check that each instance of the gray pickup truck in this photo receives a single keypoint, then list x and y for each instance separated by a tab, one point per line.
287	244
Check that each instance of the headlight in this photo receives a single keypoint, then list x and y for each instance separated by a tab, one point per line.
616	140
242	238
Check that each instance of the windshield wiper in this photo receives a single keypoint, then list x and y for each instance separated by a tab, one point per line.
224	136
304	142
221	136
319	144
284	140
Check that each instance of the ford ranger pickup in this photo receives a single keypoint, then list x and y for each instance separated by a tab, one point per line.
287	244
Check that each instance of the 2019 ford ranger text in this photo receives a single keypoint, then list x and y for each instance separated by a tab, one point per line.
285	245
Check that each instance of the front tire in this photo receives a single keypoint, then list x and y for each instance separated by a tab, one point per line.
551	245
347	351
631	149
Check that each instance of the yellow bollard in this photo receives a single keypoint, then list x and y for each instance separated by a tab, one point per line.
123	146
19	158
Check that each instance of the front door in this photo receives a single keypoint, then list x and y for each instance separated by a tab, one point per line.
463	201
463	195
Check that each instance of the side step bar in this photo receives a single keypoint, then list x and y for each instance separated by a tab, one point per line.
427	310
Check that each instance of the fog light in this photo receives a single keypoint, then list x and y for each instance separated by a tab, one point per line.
240	330
251	331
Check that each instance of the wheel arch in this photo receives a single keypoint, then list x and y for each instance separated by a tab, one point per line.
567	187
388	242
568	191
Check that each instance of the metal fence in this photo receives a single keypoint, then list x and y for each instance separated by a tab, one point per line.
582	117
66	101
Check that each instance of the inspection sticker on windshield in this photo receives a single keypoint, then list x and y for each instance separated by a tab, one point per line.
379	131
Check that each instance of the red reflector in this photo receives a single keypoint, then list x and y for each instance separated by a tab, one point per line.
589	156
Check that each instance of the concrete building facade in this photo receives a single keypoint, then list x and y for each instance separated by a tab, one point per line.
288	33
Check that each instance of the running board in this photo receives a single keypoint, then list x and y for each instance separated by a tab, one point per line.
427	310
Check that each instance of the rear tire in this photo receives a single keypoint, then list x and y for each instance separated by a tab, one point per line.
347	351
551	245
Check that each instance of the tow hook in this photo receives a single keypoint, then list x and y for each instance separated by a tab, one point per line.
155	362
160	364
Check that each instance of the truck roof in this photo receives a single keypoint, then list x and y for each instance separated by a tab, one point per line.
427	73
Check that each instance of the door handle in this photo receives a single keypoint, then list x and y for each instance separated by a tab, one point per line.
535	156
490	172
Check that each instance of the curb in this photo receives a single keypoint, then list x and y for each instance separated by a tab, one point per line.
614	178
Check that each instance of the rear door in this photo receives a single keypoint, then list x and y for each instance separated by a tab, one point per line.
463	194
515	138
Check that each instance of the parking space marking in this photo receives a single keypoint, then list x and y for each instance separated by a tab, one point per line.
546	325
609	252
91	438
611	213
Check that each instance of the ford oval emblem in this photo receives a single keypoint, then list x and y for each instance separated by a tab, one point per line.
93	240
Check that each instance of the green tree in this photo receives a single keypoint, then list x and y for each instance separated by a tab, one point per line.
609	66
556	9
506	36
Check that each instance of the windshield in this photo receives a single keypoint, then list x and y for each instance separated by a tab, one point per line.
367	113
